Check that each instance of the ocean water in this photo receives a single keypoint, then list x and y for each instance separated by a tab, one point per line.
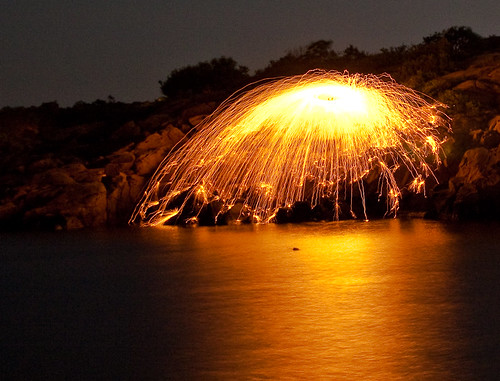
380	300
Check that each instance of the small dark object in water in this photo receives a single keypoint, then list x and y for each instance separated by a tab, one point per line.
295	249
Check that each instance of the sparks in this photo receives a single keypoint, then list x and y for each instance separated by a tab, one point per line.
300	138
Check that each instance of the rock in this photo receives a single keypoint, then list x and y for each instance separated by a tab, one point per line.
477	85
494	124
484	67
476	135
198	110
473	192
165	139
123	192
468	85
153	150
211	214
72	223
111	170
122	159
238	213
7	212
153	141
148	162
490	139
475	167
44	164
301	212
68	174
193	121
69	197
466	204
154	122
54	177
76	206
127	132
185	128
283	215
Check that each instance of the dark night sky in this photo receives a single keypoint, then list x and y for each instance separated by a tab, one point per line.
70	50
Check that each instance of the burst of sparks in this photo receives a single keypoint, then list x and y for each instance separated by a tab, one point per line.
300	138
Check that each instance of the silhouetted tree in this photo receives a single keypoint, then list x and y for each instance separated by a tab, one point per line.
219	74
320	50
462	40
353	53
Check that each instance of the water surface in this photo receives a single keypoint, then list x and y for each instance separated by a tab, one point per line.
390	299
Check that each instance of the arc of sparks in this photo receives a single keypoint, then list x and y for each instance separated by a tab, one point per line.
300	138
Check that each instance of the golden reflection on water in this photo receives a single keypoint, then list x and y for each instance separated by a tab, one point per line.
355	301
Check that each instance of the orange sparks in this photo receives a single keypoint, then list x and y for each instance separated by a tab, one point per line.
300	138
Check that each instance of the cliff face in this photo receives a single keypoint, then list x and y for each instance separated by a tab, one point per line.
88	166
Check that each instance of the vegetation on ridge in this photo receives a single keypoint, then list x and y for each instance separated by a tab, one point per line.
438	54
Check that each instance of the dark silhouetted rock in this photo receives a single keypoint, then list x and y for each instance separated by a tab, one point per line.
490	139
473	192
301	212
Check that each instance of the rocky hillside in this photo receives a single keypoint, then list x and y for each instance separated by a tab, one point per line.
470	187
87	166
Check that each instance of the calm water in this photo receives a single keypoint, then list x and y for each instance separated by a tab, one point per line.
383	300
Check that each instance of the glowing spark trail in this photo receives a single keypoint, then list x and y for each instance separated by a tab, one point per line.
304	138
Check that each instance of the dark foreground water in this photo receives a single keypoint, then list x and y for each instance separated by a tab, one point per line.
383	300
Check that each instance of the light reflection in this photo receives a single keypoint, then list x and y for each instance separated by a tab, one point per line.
355	300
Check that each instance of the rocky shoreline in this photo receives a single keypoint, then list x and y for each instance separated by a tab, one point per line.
61	171
64	189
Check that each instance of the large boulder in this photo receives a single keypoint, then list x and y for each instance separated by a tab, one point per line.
123	192
473	192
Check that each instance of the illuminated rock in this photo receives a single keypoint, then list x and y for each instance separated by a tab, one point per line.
150	152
